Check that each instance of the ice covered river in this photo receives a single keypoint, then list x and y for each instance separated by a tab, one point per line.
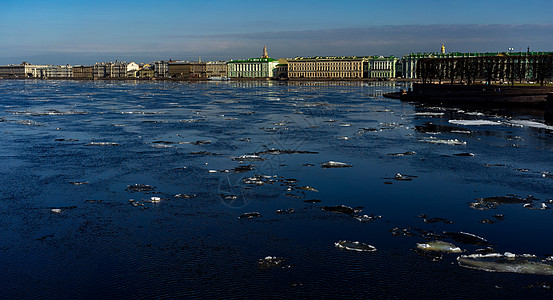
268	190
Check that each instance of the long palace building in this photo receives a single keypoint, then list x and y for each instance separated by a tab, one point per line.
342	67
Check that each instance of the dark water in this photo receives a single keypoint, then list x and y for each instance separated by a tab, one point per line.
72	228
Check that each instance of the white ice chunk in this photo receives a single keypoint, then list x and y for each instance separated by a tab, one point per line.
474	122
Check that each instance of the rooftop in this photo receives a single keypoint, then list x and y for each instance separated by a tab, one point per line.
253	60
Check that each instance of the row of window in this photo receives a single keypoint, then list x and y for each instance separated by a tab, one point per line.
325	74
324	68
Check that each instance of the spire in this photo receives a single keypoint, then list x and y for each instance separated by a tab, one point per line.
265	55
442	51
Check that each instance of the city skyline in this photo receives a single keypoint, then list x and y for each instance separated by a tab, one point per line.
84	32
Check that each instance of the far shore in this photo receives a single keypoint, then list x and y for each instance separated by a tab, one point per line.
206	79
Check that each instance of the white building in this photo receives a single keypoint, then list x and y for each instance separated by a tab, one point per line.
263	67
57	71
382	67
112	69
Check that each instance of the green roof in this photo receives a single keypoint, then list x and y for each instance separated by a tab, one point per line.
253	60
331	58
472	54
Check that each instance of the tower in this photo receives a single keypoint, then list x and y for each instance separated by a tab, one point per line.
442	50
265	55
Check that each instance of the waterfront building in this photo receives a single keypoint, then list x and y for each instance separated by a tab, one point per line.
145	71
409	62
85	72
132	67
202	70
263	67
382	67
178	69
326	67
56	71
161	68
115	69
23	70
281	70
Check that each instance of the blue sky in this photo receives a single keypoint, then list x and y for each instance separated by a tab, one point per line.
84	32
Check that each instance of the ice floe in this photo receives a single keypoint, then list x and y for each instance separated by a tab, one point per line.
185	196
272	262
354	246
474	122
78	182
507	262
435	220
452	142
532	124
495	201
250	215
274	151
439	246
341	209
367	218
466	154
335	164
285	211
430	114
102	144
140	188
307	188
248	157
403	153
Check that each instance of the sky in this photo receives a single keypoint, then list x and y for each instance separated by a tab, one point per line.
85	32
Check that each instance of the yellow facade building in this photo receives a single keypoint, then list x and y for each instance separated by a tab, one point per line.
326	67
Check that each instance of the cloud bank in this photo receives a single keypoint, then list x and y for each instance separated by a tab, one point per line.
378	40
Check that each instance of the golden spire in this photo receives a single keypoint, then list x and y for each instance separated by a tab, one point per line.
265	55
443	49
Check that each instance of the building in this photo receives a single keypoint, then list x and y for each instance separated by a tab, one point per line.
178	69
281	70
326	67
201	70
23	70
146	71
263	67
84	72
216	69
161	68
382	67
57	71
113	69
409	62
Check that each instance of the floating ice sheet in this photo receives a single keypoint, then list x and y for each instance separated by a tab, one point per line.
507	262
355	246
335	164
474	122
439	246
532	124
272	262
430	114
248	157
341	209
453	142
250	215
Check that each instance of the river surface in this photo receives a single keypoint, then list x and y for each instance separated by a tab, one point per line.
220	190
